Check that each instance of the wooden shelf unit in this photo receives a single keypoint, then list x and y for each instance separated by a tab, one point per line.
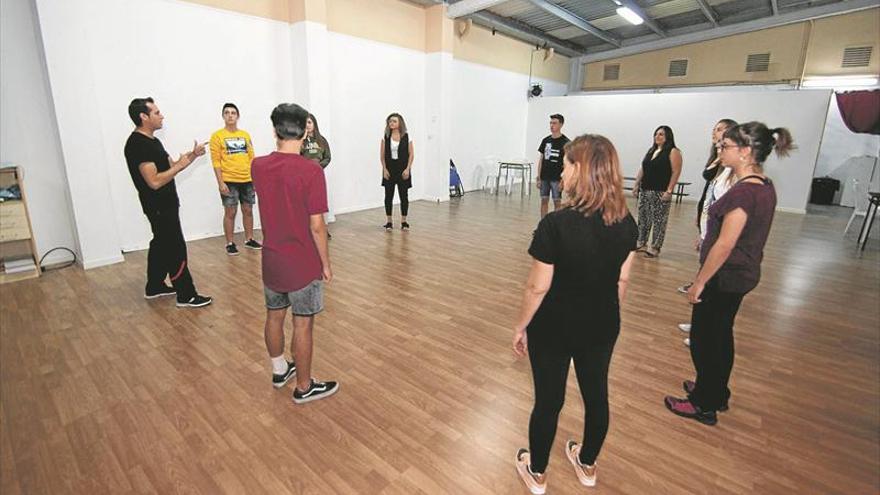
16	233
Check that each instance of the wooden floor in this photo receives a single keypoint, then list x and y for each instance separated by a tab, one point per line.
104	392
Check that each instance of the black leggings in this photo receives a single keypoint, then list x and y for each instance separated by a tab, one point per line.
712	345
550	364
402	191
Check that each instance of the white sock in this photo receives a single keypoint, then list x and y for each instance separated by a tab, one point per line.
279	365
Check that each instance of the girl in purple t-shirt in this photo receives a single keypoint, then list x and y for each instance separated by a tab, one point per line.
730	265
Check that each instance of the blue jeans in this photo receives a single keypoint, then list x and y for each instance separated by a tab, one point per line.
551	186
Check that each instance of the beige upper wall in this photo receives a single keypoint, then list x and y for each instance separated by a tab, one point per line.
480	46
833	34
401	23
722	61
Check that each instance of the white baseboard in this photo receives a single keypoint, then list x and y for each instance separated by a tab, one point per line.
95	263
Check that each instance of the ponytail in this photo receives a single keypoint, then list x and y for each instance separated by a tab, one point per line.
782	142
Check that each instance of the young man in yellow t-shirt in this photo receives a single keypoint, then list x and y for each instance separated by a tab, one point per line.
231	154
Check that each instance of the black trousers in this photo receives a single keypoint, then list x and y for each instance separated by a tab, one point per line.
167	254
402	191
550	364
712	345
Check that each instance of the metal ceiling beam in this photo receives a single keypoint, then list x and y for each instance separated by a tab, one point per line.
775	6
467	7
577	21
732	29
524	31
651	23
707	11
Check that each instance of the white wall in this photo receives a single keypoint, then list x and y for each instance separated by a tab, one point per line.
490	109
629	120
28	132
369	81
191	63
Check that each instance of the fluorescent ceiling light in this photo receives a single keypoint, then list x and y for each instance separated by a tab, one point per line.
840	81
629	15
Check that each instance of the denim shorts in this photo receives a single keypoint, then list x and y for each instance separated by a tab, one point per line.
304	302
242	192
548	186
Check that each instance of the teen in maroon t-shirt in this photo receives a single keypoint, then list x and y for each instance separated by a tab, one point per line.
736	231
296	262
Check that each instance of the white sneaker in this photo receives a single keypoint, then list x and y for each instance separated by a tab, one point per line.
687	342
684	288
684	327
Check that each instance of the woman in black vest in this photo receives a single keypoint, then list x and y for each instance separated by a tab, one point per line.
654	185
396	155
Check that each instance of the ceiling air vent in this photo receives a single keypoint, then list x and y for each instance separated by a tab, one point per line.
758	62
678	68
857	56
612	72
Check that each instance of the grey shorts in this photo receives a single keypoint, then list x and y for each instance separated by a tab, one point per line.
239	192
551	186
304	302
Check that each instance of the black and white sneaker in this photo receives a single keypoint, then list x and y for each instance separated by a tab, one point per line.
252	244
317	390
231	250
196	301
388	227
160	292
281	380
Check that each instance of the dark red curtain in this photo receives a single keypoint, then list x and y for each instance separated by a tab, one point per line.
860	110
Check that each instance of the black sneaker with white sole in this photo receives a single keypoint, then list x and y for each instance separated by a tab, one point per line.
317	390
159	292
252	244
196	301
281	380
231	250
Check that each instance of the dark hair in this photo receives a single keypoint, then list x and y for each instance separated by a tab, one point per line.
667	145
230	105
289	120
558	117
762	140
713	153
137	107
402	127
316	133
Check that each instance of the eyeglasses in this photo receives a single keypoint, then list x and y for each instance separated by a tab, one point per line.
724	146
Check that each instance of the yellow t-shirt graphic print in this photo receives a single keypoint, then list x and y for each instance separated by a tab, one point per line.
232	153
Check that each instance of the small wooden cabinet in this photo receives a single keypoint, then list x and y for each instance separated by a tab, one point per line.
18	252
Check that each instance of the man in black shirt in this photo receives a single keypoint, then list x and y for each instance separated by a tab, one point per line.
550	164
152	172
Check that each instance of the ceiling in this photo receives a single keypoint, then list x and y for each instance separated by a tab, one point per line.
593	30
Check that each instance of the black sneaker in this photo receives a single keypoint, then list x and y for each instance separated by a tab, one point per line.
404	226
281	380
252	244
196	301
388	227
160	292
231	250
317	390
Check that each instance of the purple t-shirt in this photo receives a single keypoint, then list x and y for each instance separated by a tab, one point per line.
742	270
291	189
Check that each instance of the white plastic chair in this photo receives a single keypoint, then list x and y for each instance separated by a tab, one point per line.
860	192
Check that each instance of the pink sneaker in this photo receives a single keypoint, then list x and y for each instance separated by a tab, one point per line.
586	474
689	386
684	408
535	482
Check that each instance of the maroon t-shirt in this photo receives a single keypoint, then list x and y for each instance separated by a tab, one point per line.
291	189
742	270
